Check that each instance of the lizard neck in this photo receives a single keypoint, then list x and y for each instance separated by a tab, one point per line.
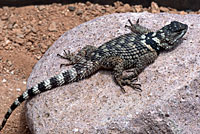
153	39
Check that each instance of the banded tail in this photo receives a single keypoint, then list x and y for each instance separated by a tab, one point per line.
78	72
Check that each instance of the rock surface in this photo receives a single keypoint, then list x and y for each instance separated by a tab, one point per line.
169	102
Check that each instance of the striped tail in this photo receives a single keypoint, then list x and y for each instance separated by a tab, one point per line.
76	73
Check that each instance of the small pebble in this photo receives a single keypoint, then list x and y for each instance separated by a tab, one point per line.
18	89
12	72
4	80
52	27
24	82
71	8
75	129
79	12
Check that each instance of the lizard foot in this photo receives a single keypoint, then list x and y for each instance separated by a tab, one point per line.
129	81
69	56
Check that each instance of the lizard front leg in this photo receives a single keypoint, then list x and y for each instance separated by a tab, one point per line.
137	28
75	58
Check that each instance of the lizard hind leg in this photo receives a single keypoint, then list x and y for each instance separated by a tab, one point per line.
122	80
126	80
75	58
131	80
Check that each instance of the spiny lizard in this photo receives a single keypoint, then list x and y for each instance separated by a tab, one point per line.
134	51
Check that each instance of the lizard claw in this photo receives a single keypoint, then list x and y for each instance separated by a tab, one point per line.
138	20
132	26
61	65
67	56
131	83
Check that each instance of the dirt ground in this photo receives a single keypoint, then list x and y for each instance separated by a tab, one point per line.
27	32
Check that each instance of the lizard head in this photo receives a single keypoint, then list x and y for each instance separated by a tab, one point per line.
170	34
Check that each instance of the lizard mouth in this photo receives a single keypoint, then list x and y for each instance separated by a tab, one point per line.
180	34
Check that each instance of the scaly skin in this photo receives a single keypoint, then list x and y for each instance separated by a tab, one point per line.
134	51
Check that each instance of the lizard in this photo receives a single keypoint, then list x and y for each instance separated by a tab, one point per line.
131	52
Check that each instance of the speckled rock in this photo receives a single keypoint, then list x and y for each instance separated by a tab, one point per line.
169	103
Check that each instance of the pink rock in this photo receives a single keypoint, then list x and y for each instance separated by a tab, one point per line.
169	102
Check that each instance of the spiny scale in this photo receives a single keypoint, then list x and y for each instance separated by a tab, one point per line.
135	50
